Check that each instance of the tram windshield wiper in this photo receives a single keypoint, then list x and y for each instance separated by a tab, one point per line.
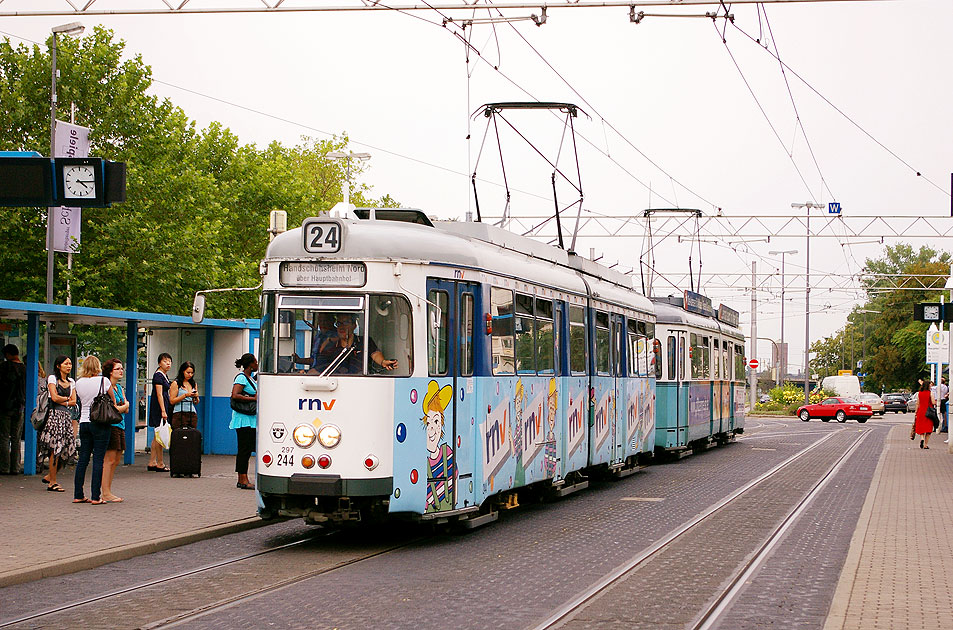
338	360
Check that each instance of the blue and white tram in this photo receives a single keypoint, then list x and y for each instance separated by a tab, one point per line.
700	377
430	371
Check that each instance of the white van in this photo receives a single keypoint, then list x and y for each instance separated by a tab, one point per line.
845	386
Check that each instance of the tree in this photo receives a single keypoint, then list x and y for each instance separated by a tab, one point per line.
895	344
197	200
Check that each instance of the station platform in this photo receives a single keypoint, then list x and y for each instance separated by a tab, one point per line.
46	534
897	575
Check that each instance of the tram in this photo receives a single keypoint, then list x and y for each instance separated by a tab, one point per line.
432	369
701	373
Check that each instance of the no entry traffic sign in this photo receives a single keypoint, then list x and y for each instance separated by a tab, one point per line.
753	364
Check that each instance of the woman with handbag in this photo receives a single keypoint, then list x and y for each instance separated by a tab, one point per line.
923	425
93	436
114	371
244	403
159	410
57	436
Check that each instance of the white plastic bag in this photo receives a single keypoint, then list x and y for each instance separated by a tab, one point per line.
164	434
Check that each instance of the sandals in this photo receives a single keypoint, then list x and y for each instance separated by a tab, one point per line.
55	487
100	502
83	500
163	469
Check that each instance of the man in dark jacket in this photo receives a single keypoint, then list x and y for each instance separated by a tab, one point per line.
12	401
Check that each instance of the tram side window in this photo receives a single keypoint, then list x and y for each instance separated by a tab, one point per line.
653	351
701	357
672	360
525	331
602	343
716	352
646	352
466	334
681	358
438	329
632	347
577	339
501	343
726	360
266	349
739	362
390	329
545	338
617	347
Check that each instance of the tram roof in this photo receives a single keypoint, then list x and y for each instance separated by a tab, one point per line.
668	312
400	235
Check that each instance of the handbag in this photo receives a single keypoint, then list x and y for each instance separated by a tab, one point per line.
247	407
103	411
42	410
931	416
164	434
76	411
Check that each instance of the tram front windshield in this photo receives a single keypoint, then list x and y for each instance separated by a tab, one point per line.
362	335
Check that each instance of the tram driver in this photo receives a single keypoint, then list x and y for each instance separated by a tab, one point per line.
349	348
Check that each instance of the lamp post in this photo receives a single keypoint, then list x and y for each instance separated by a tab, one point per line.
783	357
807	300
73	28
347	157
863	341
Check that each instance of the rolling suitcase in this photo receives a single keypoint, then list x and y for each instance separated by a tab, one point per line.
185	452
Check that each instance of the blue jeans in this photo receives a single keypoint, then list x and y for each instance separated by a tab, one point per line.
93	440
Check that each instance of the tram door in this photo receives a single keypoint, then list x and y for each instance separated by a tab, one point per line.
619	394
684	377
452	307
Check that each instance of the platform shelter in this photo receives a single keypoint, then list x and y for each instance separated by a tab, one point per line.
212	345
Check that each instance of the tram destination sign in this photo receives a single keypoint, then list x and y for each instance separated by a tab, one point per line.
322	274
728	315
698	303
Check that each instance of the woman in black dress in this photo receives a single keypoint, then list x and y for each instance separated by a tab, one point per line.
159	409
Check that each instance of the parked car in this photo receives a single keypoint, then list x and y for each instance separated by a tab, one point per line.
765	398
895	402
912	403
876	404
838	408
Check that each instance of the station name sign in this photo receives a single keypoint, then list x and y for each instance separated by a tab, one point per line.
322	274
698	303
728	315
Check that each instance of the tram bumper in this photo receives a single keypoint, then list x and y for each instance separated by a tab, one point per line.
324	486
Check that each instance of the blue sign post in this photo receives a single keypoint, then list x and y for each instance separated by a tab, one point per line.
833	207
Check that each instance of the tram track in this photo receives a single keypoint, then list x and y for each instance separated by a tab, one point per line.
722	599
169	584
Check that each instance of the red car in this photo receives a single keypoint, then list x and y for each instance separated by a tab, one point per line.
839	408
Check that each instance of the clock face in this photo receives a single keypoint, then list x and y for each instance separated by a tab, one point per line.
931	313
79	182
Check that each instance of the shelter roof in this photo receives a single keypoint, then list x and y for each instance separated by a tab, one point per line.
11	309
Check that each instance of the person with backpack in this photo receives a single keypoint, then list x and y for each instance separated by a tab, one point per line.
12	402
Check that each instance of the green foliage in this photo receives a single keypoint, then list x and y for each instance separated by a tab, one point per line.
894	344
786	399
198	200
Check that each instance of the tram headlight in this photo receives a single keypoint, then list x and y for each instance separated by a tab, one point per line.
329	435
304	435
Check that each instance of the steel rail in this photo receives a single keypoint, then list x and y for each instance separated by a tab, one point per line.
718	607
608	580
150	583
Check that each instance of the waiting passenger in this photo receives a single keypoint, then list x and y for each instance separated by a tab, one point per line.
346	351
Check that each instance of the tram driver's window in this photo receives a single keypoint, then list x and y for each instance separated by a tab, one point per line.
501	343
437	331
577	339
739	362
545	340
389	329
466	334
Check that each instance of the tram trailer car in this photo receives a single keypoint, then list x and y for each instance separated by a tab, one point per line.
700	385
517	365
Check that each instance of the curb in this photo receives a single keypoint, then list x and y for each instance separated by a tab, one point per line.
124	552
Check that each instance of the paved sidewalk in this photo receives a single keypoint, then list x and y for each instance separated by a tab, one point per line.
45	534
899	568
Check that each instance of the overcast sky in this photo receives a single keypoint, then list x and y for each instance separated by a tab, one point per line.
400	87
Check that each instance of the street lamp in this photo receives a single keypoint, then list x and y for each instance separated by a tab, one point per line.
784	357
807	301
347	157
73	28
